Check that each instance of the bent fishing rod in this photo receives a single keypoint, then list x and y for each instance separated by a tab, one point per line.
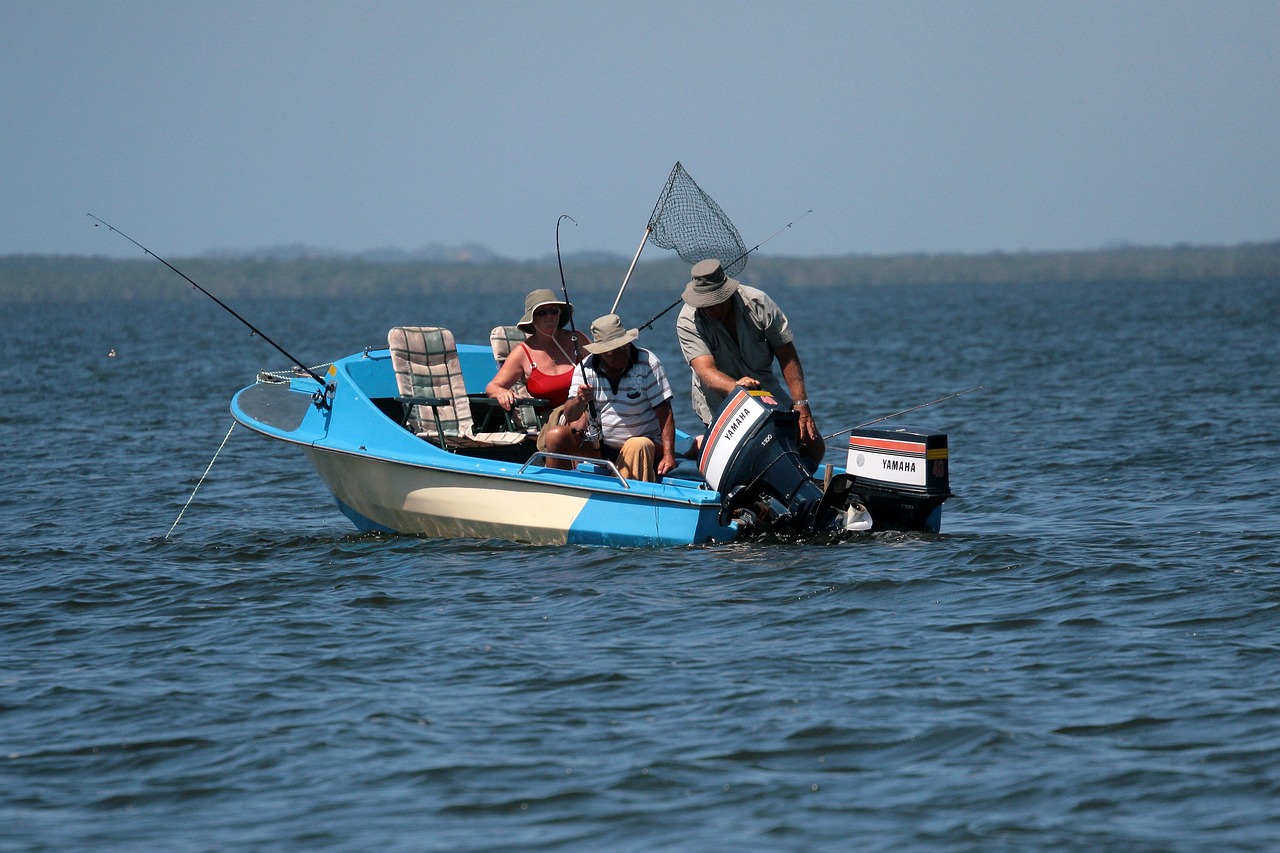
649	325
593	419
564	287
904	411
221	304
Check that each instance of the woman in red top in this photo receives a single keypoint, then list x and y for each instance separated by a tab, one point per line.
546	359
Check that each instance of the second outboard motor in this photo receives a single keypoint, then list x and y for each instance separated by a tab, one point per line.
751	456
901	473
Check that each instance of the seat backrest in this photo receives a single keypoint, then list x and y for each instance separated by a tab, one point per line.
425	360
504	339
426	364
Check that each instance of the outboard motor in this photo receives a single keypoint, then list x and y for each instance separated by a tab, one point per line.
751	456
900	474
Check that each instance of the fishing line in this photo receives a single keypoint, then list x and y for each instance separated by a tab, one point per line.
202	476
221	304
649	325
904	411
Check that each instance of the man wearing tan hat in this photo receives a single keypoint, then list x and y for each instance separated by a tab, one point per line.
632	400
730	335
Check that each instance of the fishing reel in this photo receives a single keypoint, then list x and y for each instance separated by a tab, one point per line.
323	397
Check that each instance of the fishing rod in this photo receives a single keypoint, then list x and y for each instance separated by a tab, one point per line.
904	411
564	288
593	419
767	239
221	304
649	325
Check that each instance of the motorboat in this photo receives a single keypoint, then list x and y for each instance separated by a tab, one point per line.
407	443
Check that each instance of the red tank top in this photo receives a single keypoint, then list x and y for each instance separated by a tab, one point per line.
545	386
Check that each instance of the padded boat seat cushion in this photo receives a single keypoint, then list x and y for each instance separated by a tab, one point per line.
425	360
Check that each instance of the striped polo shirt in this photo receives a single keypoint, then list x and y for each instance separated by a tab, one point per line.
626	410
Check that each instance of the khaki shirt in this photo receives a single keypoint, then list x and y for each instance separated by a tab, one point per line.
760	325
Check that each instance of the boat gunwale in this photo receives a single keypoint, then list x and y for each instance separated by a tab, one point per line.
691	495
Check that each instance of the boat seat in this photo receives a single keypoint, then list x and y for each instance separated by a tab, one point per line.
525	414
429	378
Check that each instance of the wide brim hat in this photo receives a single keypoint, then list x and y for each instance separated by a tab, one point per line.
709	285
608	334
535	300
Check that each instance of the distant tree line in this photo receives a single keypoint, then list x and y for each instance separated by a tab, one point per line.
47	278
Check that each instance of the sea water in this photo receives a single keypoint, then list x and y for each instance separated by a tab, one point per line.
1086	658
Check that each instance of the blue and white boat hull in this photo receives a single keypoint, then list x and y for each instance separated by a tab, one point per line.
386	478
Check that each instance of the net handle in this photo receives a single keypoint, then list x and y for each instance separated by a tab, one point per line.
631	269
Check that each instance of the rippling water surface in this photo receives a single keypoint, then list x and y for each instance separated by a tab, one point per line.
1086	658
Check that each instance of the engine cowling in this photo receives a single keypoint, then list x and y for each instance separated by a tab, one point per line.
751	456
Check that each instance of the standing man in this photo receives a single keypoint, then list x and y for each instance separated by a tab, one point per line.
730	335
633	399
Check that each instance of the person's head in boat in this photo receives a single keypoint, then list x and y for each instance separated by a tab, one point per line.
611	341
709	288
543	303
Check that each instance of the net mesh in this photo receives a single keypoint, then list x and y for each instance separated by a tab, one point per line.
688	220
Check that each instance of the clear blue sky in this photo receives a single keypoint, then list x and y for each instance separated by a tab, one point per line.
904	126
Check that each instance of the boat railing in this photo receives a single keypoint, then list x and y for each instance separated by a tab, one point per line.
599	463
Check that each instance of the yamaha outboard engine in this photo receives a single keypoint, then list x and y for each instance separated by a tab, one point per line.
896	478
900	474
751	456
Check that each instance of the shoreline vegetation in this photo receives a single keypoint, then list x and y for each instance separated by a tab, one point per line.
75	278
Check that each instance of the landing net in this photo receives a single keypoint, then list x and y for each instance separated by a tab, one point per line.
688	220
